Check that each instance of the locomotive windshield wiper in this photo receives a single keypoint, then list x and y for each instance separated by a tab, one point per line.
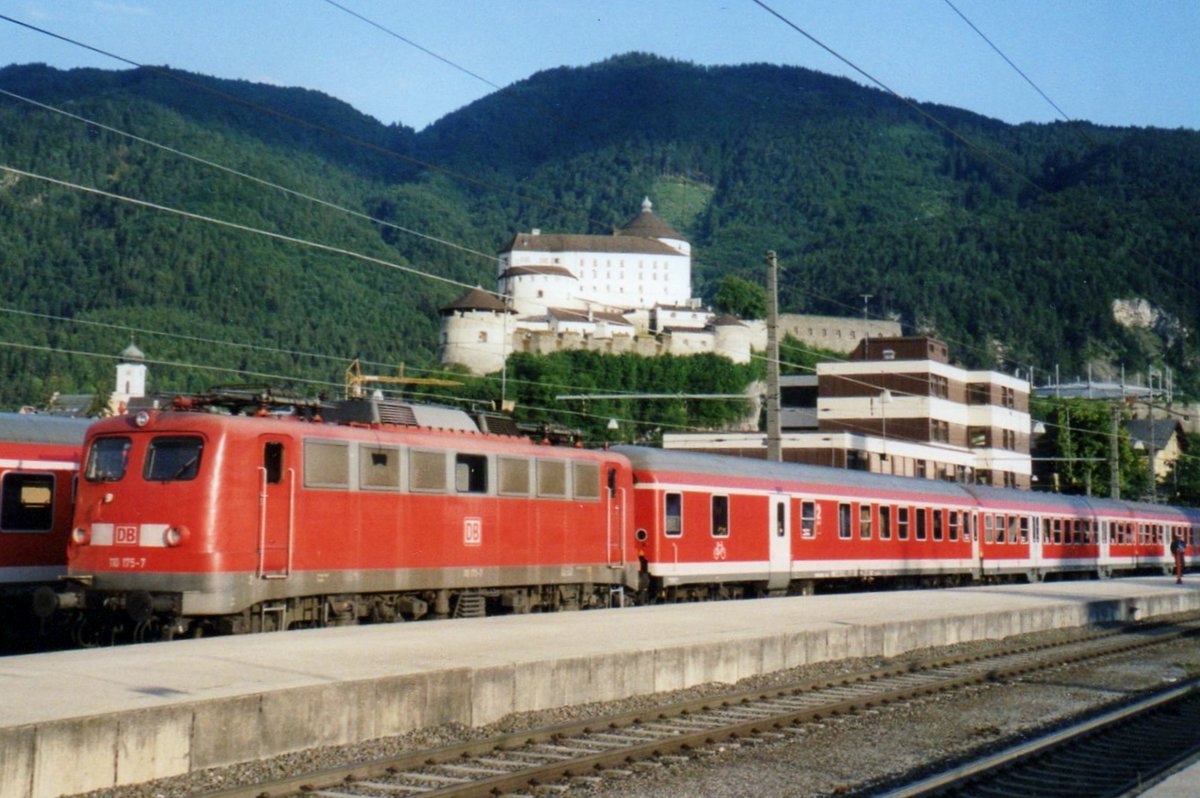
183	469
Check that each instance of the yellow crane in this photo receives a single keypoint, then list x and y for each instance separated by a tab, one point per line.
356	380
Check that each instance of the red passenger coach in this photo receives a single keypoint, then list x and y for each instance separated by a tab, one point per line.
39	457
718	526
713	525
198	521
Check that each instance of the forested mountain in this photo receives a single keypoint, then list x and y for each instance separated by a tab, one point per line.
1012	248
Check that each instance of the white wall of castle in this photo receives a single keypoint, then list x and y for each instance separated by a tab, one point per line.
609	280
532	294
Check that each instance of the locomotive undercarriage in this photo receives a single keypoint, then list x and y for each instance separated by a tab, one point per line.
139	616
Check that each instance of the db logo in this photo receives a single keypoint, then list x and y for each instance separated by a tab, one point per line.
719	551
472	531
125	535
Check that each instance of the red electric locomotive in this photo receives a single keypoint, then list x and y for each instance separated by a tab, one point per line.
39	457
718	526
190	521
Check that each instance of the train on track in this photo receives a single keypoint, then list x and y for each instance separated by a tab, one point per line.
39	458
191	522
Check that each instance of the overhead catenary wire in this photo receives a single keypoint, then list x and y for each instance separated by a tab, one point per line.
172	75
911	104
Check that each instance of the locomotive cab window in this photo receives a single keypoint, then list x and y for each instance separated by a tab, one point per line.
27	502
108	459
720	516
470	473
173	459
673	515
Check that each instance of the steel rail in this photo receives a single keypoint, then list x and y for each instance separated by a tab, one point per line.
962	778
510	762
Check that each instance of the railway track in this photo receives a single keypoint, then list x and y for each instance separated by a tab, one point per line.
519	762
1115	754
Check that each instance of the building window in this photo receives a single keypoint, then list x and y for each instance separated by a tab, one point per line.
483	336
939	386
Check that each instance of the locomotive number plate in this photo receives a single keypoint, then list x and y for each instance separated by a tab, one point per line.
472	531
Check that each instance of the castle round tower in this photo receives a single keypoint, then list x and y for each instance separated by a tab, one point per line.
476	332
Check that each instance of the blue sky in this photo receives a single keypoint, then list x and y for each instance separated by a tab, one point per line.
1114	62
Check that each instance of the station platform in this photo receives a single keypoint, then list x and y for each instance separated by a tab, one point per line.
82	720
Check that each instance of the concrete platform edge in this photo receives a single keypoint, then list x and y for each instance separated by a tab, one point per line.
81	754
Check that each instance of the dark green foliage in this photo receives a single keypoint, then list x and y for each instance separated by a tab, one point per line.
1182	486
1075	453
741	298
1014	259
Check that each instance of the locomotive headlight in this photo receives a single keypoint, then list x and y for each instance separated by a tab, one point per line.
80	536
142	418
177	535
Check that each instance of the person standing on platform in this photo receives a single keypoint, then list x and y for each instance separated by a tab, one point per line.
1177	549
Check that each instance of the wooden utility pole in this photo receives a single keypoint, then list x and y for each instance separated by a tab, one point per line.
774	426
1114	454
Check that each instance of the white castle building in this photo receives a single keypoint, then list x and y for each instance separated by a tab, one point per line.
630	291
625	292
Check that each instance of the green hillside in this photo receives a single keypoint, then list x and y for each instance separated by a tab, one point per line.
1014	257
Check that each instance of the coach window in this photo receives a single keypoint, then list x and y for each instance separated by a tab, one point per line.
470	473
1000	528
673	518
922	532
808	519
1024	529
952	524
378	467
844	521
173	459
937	525
427	471
107	460
989	534
586	481
27	502
902	523
552	478
326	464
1012	529
864	521
885	523
720	516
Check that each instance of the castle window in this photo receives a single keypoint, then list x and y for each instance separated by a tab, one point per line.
483	336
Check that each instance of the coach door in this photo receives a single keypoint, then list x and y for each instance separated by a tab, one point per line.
781	544
276	507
